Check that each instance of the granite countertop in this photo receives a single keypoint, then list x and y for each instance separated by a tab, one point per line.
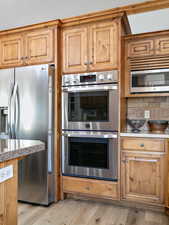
15	148
144	134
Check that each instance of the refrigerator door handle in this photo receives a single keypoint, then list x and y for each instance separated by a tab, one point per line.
13	110
16	99
10	112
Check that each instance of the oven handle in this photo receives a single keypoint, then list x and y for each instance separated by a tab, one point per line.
89	88
108	136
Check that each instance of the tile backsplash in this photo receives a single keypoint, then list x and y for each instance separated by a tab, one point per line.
158	107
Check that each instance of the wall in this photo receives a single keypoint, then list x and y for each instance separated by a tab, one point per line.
149	21
15	13
158	106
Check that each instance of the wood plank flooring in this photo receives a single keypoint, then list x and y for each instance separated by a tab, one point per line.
79	212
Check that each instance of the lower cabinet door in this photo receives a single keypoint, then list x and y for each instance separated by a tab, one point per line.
143	177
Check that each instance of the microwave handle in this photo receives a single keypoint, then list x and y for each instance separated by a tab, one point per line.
108	136
86	89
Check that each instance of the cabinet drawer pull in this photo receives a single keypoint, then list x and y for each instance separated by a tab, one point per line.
146	160
142	160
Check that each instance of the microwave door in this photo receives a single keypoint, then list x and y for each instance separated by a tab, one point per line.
90	108
150	81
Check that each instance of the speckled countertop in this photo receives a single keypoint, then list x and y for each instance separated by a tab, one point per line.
144	134
14	148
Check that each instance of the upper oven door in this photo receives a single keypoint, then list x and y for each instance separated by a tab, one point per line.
150	81
93	107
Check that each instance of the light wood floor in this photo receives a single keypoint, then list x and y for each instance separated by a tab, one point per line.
78	212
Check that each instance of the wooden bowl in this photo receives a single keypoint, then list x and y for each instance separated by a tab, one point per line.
158	126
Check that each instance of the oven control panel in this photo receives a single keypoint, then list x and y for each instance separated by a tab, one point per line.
90	78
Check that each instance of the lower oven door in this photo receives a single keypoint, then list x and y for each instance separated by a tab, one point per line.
92	107
90	155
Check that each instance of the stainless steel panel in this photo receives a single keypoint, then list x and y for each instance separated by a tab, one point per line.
6	85
100	78
90	88
149	71
112	124
35	181
110	173
149	89
6	91
88	134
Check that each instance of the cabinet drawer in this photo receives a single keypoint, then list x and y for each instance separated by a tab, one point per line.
141	48
99	188
143	144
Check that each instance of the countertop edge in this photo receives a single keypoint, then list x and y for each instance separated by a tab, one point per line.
144	135
21	152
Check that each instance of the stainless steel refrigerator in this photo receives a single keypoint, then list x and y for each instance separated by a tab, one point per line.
26	112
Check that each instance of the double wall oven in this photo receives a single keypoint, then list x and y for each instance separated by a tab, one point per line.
90	125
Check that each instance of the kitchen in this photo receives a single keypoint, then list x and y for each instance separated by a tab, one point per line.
91	89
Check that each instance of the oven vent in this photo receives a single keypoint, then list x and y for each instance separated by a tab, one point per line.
147	63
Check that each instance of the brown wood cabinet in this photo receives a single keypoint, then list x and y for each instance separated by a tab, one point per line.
32	47
91	187
141	48
8	195
162	46
145	52
90	47
152	46
143	165
142	177
11	50
39	46
143	144
103	46
75	49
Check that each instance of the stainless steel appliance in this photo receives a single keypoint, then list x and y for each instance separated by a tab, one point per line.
90	101
26	96
150	81
90	154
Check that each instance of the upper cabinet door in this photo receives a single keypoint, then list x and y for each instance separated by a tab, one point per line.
141	48
103	46
162	46
75	49
39	46
11	50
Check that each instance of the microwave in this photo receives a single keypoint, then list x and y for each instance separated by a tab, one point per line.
149	81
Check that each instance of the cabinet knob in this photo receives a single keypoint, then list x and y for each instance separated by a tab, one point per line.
90	62
142	145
